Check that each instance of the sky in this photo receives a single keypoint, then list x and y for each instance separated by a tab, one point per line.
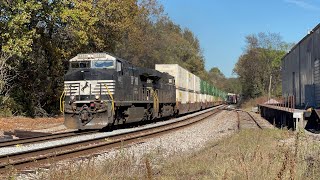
221	25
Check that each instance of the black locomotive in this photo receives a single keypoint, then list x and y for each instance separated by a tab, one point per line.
102	90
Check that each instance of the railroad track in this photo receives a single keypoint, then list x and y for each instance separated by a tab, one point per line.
42	156
246	120
43	138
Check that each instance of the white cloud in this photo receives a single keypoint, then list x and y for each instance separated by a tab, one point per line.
303	4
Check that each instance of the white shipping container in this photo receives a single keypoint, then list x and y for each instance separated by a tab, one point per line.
211	98
183	78
185	97
182	96
203	98
185	82
208	98
192	97
196	84
191	81
178	95
171	69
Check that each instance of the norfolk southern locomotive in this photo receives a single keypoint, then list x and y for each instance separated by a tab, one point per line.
101	90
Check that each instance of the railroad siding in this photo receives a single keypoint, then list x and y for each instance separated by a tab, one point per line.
300	71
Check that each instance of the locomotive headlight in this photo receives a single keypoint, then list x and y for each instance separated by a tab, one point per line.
72	99
97	97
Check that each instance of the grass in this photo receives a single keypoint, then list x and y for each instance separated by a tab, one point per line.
249	103
249	154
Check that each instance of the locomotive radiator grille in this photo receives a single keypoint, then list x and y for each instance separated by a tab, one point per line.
89	87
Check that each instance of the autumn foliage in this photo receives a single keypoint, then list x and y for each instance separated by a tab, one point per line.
40	36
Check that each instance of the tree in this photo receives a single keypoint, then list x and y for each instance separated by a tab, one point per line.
41	36
153	38
260	60
6	77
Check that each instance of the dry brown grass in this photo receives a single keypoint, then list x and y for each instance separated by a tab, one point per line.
249	154
248	104
24	123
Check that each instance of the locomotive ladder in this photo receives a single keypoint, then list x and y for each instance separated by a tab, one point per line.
63	95
112	100
155	103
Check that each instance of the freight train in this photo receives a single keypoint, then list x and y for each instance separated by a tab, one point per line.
102	90
232	98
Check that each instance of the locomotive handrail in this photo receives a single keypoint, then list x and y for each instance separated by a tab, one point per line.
112	101
155	101
62	101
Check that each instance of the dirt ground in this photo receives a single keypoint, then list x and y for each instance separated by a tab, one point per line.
24	123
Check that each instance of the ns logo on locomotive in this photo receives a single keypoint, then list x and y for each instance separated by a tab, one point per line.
101	90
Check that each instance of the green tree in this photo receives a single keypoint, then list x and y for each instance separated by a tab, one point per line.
261	60
42	35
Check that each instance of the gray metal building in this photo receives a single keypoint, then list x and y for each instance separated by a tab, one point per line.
301	71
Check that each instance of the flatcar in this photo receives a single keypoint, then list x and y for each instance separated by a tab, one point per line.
102	90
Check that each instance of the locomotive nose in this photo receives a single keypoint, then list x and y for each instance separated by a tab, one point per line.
89	74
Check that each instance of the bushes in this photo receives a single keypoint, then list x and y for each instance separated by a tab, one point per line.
9	107
41	36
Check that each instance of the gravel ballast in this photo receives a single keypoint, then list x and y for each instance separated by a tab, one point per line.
42	145
189	139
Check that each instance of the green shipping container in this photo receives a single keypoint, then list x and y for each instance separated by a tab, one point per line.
213	91
201	86
205	87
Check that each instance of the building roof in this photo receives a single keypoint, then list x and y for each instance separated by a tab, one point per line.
309	33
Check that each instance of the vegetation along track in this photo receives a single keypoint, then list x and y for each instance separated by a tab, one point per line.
40	157
246	120
24	141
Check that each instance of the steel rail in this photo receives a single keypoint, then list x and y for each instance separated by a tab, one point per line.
254	120
249	115
42	138
76	149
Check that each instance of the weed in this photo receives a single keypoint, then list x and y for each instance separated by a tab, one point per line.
249	154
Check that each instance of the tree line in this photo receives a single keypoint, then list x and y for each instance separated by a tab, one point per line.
38	37
259	67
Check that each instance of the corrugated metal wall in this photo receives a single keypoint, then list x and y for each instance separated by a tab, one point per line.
299	68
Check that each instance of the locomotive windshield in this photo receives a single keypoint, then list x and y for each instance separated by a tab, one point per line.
103	64
97	64
80	64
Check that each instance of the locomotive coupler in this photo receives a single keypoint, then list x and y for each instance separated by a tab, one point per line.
85	115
